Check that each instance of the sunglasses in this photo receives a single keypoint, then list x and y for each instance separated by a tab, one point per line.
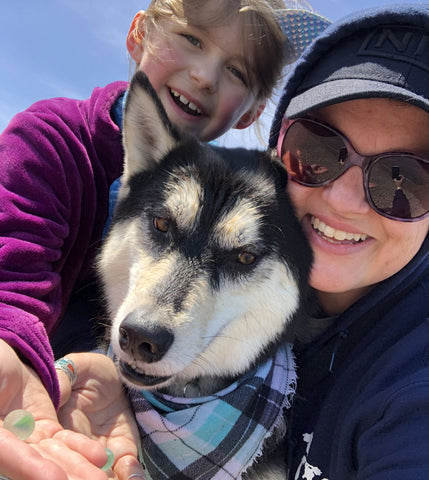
396	184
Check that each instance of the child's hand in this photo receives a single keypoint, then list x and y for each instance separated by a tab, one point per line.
50	451
97	407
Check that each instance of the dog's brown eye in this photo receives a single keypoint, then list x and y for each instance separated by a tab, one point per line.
246	258
161	224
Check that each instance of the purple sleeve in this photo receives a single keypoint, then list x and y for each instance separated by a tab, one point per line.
58	159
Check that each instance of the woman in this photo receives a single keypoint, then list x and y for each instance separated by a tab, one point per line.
362	403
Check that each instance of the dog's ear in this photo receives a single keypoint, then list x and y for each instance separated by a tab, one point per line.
148	134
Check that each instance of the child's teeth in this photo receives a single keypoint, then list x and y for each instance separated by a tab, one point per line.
185	101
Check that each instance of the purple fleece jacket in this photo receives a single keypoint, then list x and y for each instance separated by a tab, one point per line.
58	159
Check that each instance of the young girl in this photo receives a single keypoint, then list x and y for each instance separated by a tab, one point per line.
213	64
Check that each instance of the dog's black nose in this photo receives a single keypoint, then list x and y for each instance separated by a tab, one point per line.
148	344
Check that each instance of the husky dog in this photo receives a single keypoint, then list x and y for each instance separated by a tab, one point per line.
204	269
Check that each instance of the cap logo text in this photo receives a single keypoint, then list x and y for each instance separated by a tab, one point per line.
399	43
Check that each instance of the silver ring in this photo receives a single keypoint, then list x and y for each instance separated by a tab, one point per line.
68	367
135	475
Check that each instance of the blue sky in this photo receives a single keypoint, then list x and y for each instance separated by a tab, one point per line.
54	48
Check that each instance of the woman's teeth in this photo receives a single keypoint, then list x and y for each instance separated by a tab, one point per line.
335	234
184	101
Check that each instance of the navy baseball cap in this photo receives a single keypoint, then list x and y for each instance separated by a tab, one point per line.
382	52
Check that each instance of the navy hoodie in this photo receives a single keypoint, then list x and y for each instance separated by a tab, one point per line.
362	404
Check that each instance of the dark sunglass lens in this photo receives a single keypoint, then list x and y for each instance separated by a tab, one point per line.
399	186
312	153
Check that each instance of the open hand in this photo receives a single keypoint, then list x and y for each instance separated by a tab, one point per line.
98	408
50	453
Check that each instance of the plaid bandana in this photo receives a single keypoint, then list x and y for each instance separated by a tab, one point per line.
219	436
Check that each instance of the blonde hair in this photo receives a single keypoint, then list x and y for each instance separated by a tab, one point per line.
267	50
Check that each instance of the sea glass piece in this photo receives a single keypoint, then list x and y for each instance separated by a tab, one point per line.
110	460
20	422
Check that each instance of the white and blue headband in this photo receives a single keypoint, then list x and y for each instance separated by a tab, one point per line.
301	27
